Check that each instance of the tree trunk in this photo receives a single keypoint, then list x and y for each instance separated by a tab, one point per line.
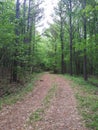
62	44
16	43
70	22
24	16
55	60
62	53
28	24
85	56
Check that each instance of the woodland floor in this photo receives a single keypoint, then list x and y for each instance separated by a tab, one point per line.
50	106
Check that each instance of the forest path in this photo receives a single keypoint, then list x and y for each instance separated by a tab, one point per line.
51	106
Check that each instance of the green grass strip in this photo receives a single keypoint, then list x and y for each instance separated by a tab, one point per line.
38	114
87	97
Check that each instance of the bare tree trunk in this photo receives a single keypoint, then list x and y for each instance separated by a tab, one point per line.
55	51
16	42
62	53
24	16
34	33
85	56
70	22
28	24
62	41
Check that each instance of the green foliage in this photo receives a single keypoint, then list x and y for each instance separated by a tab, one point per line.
53	60
16	44
33	52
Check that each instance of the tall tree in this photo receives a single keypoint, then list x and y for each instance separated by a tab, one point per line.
60	20
62	35
15	63
85	37
71	44
24	17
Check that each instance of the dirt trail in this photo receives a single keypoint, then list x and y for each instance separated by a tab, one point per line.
62	114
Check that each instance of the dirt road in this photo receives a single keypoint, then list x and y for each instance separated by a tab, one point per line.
50	106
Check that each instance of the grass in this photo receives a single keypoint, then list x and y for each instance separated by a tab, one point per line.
50	95
87	97
19	95
38	114
93	80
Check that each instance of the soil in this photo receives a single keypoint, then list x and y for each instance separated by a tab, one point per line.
61	114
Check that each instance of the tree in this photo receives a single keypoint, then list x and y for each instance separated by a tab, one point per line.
52	35
85	37
71	44
60	19
62	35
15	63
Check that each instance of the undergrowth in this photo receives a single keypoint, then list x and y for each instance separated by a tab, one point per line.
87	97
18	95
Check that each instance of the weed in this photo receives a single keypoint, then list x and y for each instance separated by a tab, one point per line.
87	100
49	96
37	115
19	95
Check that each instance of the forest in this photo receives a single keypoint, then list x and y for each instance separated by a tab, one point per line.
69	45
